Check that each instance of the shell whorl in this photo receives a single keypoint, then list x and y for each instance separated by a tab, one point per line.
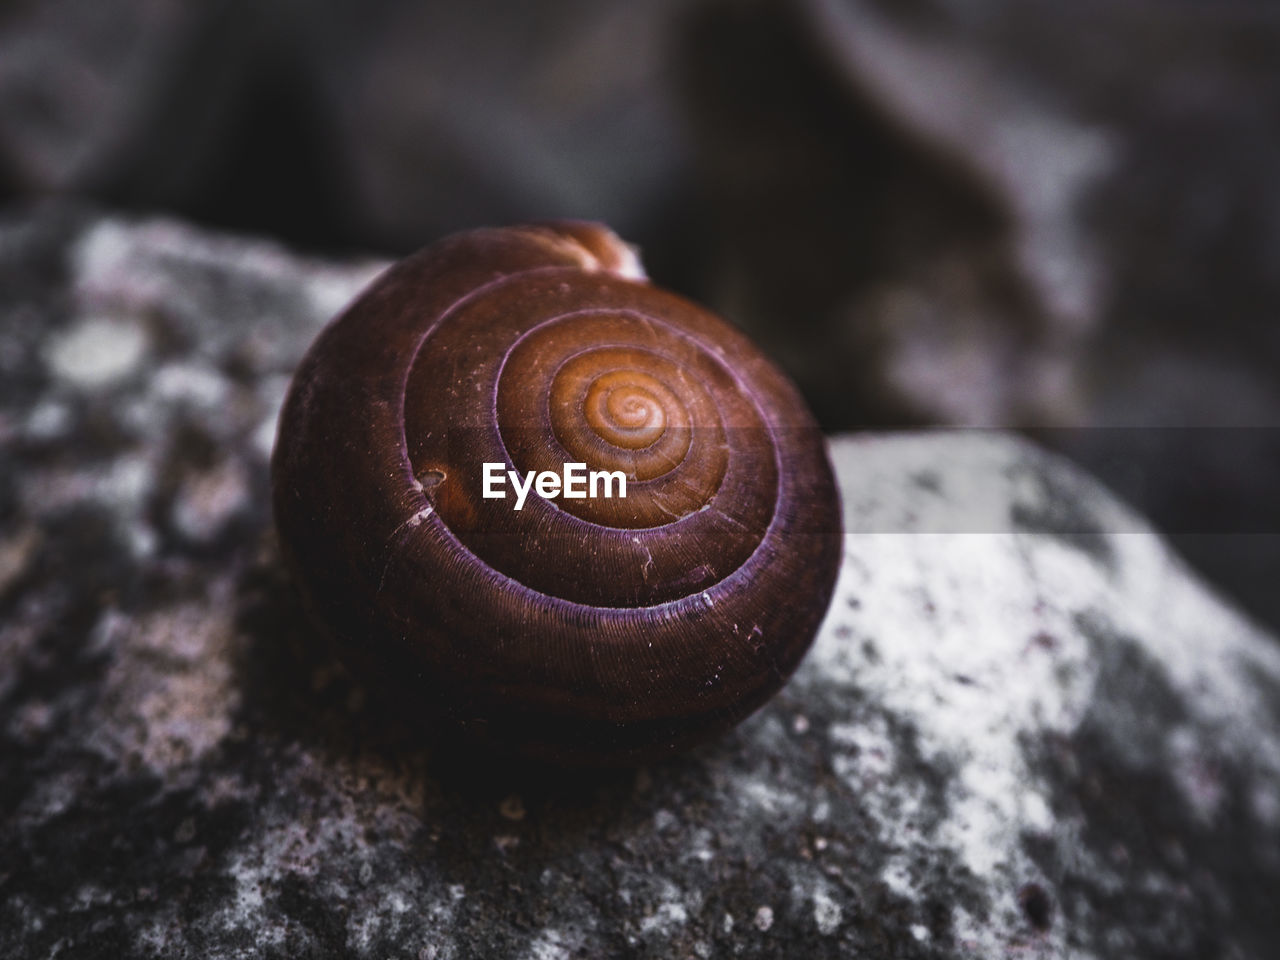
599	630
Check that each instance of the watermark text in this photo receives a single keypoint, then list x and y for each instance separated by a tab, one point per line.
574	483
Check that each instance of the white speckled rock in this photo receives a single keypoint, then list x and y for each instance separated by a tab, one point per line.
1025	729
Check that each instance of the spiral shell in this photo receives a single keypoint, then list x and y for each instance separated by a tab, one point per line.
583	630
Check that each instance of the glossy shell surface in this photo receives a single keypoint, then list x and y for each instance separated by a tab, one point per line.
594	630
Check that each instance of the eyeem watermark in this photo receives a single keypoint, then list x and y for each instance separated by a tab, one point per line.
576	483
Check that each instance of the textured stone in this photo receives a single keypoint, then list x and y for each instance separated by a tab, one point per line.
1025	729
1015	214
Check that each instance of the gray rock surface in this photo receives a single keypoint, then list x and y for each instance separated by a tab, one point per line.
1026	730
1019	214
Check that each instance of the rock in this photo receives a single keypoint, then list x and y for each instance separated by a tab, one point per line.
1013	214
1025	728
978	212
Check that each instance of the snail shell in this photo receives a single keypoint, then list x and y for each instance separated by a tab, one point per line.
605	630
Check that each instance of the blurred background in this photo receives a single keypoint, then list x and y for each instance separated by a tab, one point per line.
1057	218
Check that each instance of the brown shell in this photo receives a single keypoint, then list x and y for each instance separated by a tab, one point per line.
597	630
